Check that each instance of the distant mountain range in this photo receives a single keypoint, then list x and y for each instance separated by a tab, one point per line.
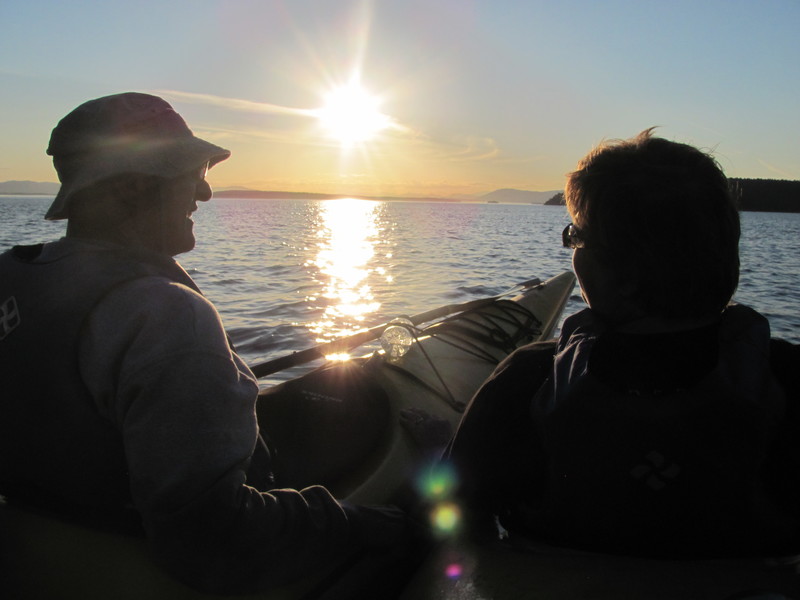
771	195
26	188
505	196
245	193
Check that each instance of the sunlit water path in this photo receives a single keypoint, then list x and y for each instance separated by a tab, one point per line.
288	274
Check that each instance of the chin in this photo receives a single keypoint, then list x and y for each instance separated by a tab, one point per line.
181	246
183	250
182	242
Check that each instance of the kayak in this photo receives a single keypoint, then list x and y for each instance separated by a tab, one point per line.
366	428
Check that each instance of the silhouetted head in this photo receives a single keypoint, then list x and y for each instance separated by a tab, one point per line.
659	229
131	171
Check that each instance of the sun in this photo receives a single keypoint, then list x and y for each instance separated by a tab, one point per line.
352	115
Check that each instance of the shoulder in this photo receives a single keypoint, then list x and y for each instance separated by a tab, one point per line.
739	320
161	312
784	358
583	324
542	350
528	363
157	292
784	353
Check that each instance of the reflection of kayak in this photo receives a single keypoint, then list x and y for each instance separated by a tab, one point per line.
350	415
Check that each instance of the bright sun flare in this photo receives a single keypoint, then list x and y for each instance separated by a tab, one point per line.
352	115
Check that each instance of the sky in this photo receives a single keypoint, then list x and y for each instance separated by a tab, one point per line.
458	97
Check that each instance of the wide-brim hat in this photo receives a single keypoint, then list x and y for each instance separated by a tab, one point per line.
123	133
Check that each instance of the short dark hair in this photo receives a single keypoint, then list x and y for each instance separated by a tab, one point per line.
660	214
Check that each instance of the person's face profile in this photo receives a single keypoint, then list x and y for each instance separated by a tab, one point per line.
177	202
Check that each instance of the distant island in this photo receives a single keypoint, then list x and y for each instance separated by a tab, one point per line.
512	196
556	200
765	195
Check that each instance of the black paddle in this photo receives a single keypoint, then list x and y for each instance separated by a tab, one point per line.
362	337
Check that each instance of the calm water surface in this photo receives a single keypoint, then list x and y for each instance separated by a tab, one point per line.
288	274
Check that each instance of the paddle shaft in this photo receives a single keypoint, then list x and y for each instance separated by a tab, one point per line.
346	343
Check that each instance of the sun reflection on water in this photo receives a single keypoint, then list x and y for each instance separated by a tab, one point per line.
346	243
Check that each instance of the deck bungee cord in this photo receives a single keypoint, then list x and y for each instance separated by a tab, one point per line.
362	337
495	336
462	331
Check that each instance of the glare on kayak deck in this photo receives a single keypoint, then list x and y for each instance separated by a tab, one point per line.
346	233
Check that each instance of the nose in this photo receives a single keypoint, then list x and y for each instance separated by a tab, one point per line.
202	192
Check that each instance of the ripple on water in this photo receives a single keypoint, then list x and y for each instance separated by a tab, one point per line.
255	260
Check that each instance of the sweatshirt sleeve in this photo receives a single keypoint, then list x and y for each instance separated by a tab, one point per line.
159	366
495	451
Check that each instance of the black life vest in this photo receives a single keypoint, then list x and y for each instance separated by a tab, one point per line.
662	470
57	448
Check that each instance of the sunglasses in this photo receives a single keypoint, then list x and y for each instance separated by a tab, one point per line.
571	237
202	172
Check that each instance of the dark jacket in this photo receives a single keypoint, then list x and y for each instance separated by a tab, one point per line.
673	444
121	391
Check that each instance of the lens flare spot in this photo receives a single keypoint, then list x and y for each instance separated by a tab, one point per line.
453	571
437	483
445	517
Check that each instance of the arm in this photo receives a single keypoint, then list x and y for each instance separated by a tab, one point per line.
495	451
785	360
783	465
159	365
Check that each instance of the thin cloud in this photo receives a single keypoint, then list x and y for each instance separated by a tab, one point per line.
249	106
235	104
462	149
220	134
470	149
775	169
477	148
458	149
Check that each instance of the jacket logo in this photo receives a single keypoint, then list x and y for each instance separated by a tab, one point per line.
657	473
9	317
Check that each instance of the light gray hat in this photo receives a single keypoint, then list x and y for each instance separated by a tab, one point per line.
123	133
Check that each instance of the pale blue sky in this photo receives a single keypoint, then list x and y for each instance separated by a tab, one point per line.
489	93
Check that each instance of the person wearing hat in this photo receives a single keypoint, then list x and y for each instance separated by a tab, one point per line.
123	401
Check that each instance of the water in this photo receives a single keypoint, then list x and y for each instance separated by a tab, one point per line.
288	274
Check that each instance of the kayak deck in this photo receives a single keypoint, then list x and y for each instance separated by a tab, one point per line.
442	372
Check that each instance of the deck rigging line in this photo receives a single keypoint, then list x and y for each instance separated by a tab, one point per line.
486	328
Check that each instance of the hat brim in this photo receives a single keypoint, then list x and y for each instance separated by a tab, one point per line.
171	158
